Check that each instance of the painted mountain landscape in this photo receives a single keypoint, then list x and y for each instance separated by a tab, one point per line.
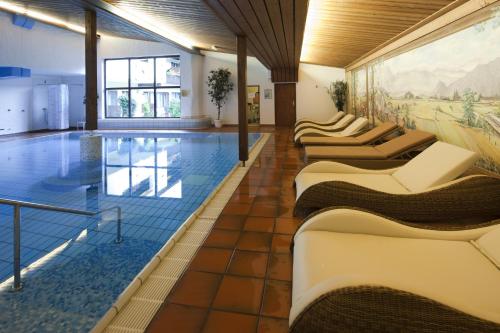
450	87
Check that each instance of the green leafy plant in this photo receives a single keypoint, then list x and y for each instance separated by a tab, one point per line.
338	93
219	86
174	108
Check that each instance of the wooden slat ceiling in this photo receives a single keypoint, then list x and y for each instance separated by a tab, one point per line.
340	31
192	18
73	12
274	29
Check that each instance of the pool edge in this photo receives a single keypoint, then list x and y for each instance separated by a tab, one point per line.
117	312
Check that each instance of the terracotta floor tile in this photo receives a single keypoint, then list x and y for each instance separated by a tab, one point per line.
240	294
227	322
281	243
196	289
248	263
211	260
286	225
236	209
222	238
272	325
230	222
242	198
277	299
255	241
263	209
280	267
269	191
285	211
259	224
179	319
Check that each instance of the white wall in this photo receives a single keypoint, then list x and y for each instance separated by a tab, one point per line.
257	74
47	50
313	100
114	47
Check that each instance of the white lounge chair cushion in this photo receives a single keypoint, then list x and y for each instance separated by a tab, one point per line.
438	164
454	273
489	244
309	122
324	129
377	182
355	127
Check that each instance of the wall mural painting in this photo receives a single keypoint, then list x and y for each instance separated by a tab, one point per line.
450	87
360	99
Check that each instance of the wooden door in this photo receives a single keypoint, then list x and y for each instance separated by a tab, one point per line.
284	104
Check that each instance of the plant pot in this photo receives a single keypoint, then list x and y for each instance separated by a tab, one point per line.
218	123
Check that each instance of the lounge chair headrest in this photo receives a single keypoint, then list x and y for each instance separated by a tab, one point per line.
489	244
384	128
348	118
355	126
438	164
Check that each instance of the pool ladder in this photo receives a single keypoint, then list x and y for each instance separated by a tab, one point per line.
17	285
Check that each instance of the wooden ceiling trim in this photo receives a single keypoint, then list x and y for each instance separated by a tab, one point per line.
274	12
221	12
300	14
241	19
287	10
259	6
342	31
257	29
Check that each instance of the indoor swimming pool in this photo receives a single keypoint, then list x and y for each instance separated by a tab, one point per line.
72	268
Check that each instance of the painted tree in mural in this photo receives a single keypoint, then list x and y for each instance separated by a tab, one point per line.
468	99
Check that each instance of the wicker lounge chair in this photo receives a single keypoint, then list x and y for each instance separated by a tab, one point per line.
332	120
354	271
354	128
384	155
367	138
426	189
337	127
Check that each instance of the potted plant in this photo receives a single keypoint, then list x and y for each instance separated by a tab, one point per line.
219	86
338	93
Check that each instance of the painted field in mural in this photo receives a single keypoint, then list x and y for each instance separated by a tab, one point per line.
450	87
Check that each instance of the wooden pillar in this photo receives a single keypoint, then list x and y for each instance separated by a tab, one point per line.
90	70
242	98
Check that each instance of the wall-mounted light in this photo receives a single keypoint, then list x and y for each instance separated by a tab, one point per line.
7	6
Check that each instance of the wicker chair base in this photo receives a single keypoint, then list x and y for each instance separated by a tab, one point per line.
381	309
474	199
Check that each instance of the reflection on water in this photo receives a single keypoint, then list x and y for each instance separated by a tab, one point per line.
143	167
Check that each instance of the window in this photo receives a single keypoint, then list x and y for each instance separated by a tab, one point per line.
143	87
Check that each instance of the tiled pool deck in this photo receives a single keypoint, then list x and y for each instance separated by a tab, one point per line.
240	279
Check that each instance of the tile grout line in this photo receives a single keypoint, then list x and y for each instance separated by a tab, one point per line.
116	317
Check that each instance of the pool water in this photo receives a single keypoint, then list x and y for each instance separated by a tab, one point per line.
73	269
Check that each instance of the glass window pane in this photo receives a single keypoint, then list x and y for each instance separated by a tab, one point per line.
117	181
117	103
143	103
168	71
117	73
142	72
143	182
169	102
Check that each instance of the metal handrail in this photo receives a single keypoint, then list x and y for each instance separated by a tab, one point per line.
17	227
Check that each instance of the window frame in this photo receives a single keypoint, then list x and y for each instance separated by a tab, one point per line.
129	88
